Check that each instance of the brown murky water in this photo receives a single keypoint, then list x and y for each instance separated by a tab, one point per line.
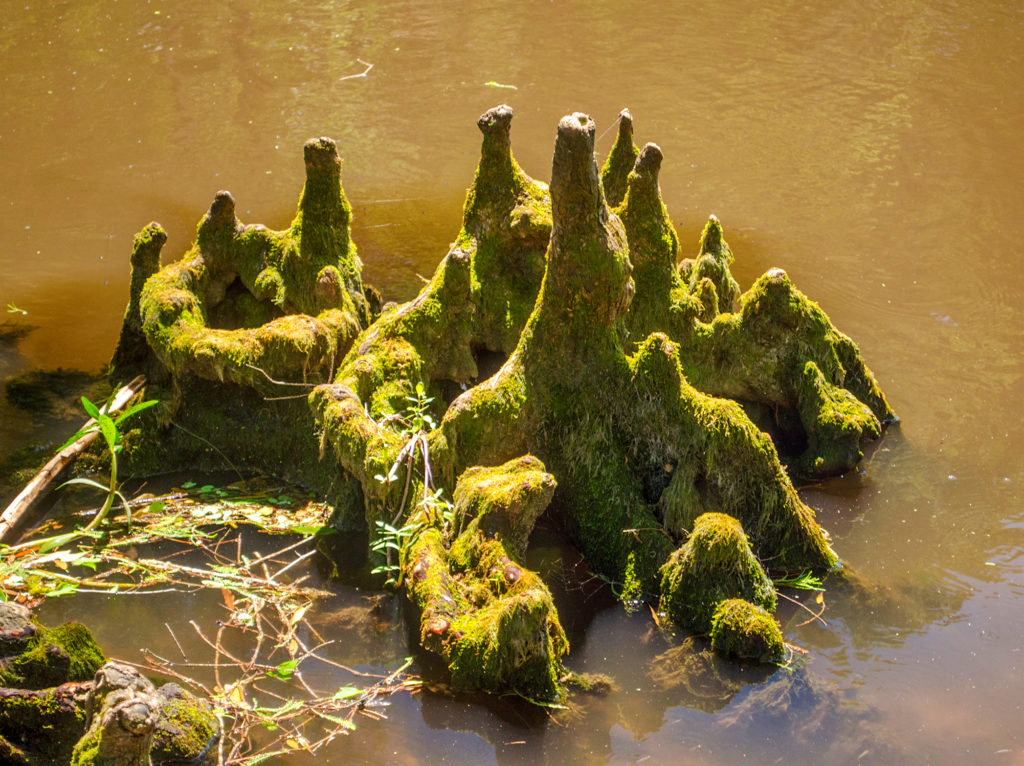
872	150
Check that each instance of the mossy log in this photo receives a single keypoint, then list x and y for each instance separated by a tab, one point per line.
559	336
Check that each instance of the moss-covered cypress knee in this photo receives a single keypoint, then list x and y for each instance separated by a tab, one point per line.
489	618
712	262
620	161
246	303
133	356
552	288
835	421
715	563
747	631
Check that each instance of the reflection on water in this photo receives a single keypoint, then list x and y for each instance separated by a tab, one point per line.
872	151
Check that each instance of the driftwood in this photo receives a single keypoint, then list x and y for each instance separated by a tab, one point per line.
16	511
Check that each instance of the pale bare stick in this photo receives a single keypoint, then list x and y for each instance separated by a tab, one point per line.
361	74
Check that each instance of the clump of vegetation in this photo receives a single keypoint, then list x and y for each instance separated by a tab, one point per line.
615	404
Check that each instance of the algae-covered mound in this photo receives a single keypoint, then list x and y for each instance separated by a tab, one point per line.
715	563
562	359
33	656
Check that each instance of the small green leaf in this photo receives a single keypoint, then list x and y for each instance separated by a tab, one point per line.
343	722
87	482
493	84
284	671
91	409
65	590
108	429
304	529
136	408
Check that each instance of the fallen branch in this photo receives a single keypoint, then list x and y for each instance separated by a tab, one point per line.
20	506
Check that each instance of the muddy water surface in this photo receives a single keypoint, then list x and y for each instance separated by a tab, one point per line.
872	150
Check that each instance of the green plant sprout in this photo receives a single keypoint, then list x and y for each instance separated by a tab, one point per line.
12	309
437	511
109	428
414	424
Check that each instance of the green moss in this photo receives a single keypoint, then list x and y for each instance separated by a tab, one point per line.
479	298
757	354
620	161
745	630
712	263
835	422
132	355
642	444
87	749
53	656
653	249
43	725
186	730
761	354
505	501
714	564
723	463
492	620
597	684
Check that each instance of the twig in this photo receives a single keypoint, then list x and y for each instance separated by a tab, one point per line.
183	655
269	556
361	74
814	616
279	382
212	446
299	559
